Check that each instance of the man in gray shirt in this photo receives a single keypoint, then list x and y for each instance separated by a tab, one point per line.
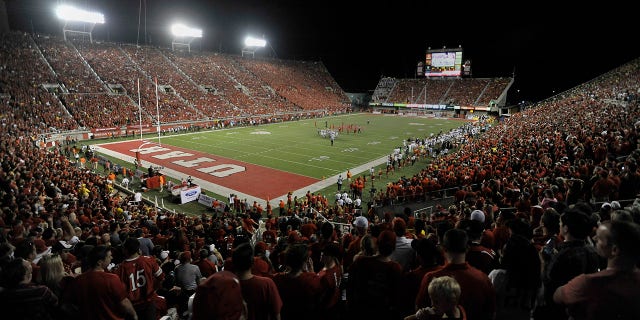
188	277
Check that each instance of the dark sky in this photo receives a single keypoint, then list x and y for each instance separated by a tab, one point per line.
549	48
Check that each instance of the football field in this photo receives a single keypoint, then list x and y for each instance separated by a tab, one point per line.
267	161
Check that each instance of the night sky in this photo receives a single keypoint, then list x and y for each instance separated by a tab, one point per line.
549	48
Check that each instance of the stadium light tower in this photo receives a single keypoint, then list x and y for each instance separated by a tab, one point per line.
78	20
183	36
252	44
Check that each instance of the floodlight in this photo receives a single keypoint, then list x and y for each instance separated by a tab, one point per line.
254	42
78	21
180	30
69	13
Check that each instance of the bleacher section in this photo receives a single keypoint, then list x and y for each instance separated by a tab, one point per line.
95	85
441	91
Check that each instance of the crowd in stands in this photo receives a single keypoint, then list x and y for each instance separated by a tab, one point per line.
101	110
544	225
102	57
456	91
79	79
306	84
70	66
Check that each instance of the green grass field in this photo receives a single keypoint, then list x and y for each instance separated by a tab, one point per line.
298	148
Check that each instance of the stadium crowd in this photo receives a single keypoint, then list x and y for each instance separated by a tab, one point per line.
544	226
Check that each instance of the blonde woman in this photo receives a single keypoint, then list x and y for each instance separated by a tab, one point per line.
52	273
53	276
444	293
368	247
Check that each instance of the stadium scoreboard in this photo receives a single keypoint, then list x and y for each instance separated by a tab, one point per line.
443	63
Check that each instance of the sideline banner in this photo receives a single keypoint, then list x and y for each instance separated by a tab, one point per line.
205	200
186	194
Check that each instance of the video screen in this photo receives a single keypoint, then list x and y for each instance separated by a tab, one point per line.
443	64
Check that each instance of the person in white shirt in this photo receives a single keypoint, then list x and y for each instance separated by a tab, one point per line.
357	203
404	253
125	182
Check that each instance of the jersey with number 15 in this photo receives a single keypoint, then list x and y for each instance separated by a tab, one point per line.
141	277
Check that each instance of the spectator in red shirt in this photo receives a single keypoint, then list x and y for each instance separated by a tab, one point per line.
374	282
611	293
207	267
110	302
478	295
299	288
260	293
141	276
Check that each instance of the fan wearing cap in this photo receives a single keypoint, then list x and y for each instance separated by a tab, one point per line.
605	211
141	276
361	224
41	250
374	282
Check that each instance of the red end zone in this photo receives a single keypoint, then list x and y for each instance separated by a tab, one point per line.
258	181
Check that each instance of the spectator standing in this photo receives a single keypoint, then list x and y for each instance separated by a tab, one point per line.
478	295
611	293
373	285
219	297
299	288
141	277
478	256
206	266
403	253
445	294
517	280
188	277
426	255
575	256
110	302
361	224
331	281
260	293
146	244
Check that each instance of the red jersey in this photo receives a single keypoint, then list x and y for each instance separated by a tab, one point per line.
478	295
141	276
98	295
299	295
330	280
262	297
207	267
